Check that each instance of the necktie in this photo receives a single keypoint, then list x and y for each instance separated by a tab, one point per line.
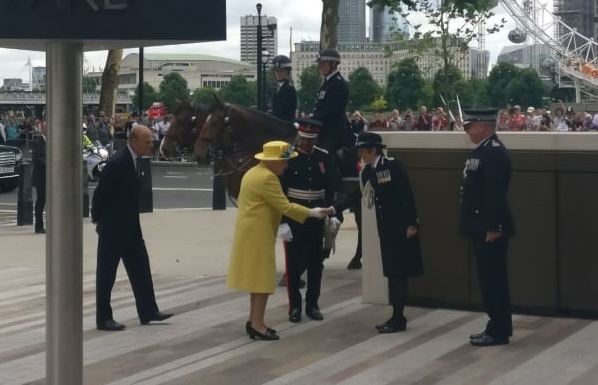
138	167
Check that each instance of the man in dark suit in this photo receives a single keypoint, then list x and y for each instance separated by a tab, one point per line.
38	178
331	104
283	103
385	185
487	221
115	210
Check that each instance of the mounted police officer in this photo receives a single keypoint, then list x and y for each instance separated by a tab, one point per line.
311	180
331	103
487	221
283	103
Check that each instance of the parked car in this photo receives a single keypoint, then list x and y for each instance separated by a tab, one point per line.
10	158
157	110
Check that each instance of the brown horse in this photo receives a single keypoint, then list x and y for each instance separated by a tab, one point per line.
234	134
184	129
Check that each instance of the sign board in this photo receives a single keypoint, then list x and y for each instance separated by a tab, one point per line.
104	24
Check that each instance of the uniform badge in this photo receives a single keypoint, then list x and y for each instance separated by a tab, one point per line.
322	168
322	95
495	143
383	176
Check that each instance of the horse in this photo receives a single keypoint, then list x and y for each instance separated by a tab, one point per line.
184	129
237	133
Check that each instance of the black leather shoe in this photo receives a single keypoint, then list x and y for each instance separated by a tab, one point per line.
477	335
248	326
159	316
354	264
392	327
267	336
487	340
110	326
315	314
40	231
295	316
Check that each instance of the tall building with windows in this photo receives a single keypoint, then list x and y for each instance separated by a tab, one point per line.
386	25
351	21
249	25
578	14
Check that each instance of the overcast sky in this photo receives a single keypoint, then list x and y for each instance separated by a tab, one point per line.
303	16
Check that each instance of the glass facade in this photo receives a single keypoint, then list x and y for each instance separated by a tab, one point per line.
351	21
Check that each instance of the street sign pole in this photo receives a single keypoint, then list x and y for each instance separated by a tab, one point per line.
64	242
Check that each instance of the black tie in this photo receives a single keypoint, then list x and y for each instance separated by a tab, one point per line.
138	167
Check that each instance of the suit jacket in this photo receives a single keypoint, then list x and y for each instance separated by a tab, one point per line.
284	102
486	177
38	177
115	203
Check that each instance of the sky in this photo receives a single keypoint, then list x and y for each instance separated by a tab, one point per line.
303	16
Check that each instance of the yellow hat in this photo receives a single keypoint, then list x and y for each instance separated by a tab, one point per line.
276	150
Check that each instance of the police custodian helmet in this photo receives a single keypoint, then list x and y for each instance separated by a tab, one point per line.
329	54
281	61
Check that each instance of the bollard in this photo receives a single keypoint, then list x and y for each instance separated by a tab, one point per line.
146	198
85	191
25	195
218	189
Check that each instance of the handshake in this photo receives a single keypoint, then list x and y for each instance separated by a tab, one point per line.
321	212
284	230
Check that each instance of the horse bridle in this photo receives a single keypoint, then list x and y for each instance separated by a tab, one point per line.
179	140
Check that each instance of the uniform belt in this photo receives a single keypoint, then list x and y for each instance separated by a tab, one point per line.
306	194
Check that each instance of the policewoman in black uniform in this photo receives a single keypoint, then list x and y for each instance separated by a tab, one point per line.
385	185
283	103
487	221
331	103
311	180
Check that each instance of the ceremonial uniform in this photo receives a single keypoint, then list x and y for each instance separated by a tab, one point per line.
485	209
284	101
311	180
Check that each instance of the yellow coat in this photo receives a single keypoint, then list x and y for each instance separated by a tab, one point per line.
261	205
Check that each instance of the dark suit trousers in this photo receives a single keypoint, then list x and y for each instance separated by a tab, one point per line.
136	261
304	251
40	202
491	259
357	211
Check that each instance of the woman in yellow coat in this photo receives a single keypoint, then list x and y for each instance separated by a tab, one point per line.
261	206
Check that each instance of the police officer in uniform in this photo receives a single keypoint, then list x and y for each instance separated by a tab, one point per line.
331	103
283	103
487	221
385	185
311	180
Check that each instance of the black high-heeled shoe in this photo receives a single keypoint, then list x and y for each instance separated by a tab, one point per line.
267	336
248	326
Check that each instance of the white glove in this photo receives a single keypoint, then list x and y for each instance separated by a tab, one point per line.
334	224
318	212
284	232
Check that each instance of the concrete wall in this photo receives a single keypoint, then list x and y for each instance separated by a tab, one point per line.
553	260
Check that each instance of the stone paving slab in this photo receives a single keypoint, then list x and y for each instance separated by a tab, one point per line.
205	342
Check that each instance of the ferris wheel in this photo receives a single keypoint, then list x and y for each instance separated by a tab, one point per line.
576	56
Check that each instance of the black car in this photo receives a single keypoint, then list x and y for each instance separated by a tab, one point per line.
10	158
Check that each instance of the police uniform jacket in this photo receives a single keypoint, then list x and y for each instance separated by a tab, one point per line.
486	176
38	177
312	181
284	101
331	102
394	203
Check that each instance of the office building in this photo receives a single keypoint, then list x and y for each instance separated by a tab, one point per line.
249	25
351	21
386	25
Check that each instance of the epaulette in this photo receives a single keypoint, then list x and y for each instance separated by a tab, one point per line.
325	151
495	143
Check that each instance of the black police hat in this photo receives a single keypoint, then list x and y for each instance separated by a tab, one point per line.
488	115
309	128
368	139
329	54
281	61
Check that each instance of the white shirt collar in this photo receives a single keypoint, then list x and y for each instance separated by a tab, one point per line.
331	75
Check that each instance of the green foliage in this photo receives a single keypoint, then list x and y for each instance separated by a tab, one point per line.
405	88
204	96
149	96
378	104
526	89
309	80
444	81
501	75
173	88
363	89
238	91
479	90
566	95
90	84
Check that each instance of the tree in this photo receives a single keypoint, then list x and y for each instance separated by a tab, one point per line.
328	27
405	86
173	88
204	95
501	75
110	81
448	75
363	89
479	91
309	82
379	104
526	89
90	84
238	91
149	96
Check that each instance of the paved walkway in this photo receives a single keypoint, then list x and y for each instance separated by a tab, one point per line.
205	343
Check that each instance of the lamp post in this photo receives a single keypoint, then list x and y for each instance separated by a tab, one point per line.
258	6
265	57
